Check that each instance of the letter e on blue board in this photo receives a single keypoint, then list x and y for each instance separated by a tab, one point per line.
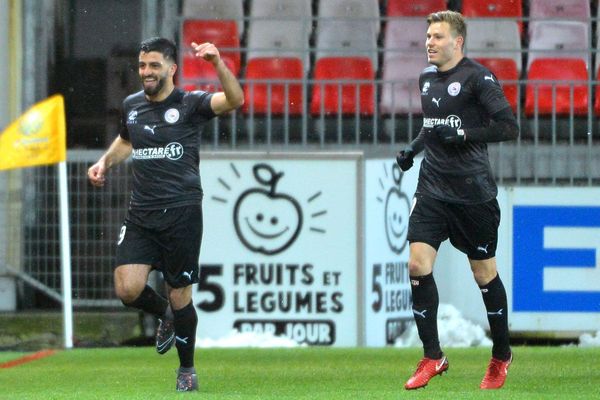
530	257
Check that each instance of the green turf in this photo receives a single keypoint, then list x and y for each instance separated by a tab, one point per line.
301	373
9	355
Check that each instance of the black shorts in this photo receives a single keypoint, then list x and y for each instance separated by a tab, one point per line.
168	240
471	228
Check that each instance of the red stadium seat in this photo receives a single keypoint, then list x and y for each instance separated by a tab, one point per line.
199	74
223	34
494	9
404	8
257	94
505	69
561	73
597	102
332	96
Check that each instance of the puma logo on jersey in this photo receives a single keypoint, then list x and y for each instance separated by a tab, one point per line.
488	78
419	313
188	275
150	128
499	312
436	101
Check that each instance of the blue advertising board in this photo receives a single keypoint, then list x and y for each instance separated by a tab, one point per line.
555	258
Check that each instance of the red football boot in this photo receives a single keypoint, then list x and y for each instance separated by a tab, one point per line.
496	373
426	369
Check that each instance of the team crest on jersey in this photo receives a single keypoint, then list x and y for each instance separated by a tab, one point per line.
132	116
454	88
425	88
172	115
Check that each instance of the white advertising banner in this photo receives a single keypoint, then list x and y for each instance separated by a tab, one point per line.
388	197
280	252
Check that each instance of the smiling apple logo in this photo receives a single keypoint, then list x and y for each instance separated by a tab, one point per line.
397	211
266	221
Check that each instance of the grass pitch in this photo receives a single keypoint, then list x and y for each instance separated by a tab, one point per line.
300	373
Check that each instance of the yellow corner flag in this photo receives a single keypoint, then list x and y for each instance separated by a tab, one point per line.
37	137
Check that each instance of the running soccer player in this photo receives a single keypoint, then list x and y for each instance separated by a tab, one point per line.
163	226
464	108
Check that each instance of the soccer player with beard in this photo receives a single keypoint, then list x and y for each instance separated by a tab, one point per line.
464	108
160	129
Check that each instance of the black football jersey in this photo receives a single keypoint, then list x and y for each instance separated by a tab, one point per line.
463	97
165	137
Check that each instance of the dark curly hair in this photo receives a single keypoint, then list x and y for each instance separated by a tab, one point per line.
164	46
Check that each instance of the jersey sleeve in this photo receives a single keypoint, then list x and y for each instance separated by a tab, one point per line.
490	92
123	131
202	103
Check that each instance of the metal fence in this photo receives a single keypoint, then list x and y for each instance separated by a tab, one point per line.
96	214
555	148
33	226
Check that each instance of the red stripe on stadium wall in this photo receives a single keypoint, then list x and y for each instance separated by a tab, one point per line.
27	358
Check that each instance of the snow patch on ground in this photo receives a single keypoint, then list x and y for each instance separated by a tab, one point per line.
589	340
454	331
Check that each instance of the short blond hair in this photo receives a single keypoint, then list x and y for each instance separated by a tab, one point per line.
458	25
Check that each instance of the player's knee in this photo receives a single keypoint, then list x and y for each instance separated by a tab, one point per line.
416	268
484	276
127	292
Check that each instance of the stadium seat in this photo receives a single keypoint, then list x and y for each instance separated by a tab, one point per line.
257	94
404	8
559	73
400	92
334	91
559	39
540	10
597	101
280	28
494	9
597	64
222	33
281	8
363	10
345	38
215	10
404	59
500	39
198	74
405	35
505	69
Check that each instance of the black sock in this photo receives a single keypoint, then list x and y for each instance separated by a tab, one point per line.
150	302
185	334
425	306
494	298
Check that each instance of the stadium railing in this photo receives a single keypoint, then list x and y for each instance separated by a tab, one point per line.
553	149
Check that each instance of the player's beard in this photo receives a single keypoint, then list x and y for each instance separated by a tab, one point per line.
154	90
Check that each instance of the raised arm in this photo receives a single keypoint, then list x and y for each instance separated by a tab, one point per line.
232	95
118	151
